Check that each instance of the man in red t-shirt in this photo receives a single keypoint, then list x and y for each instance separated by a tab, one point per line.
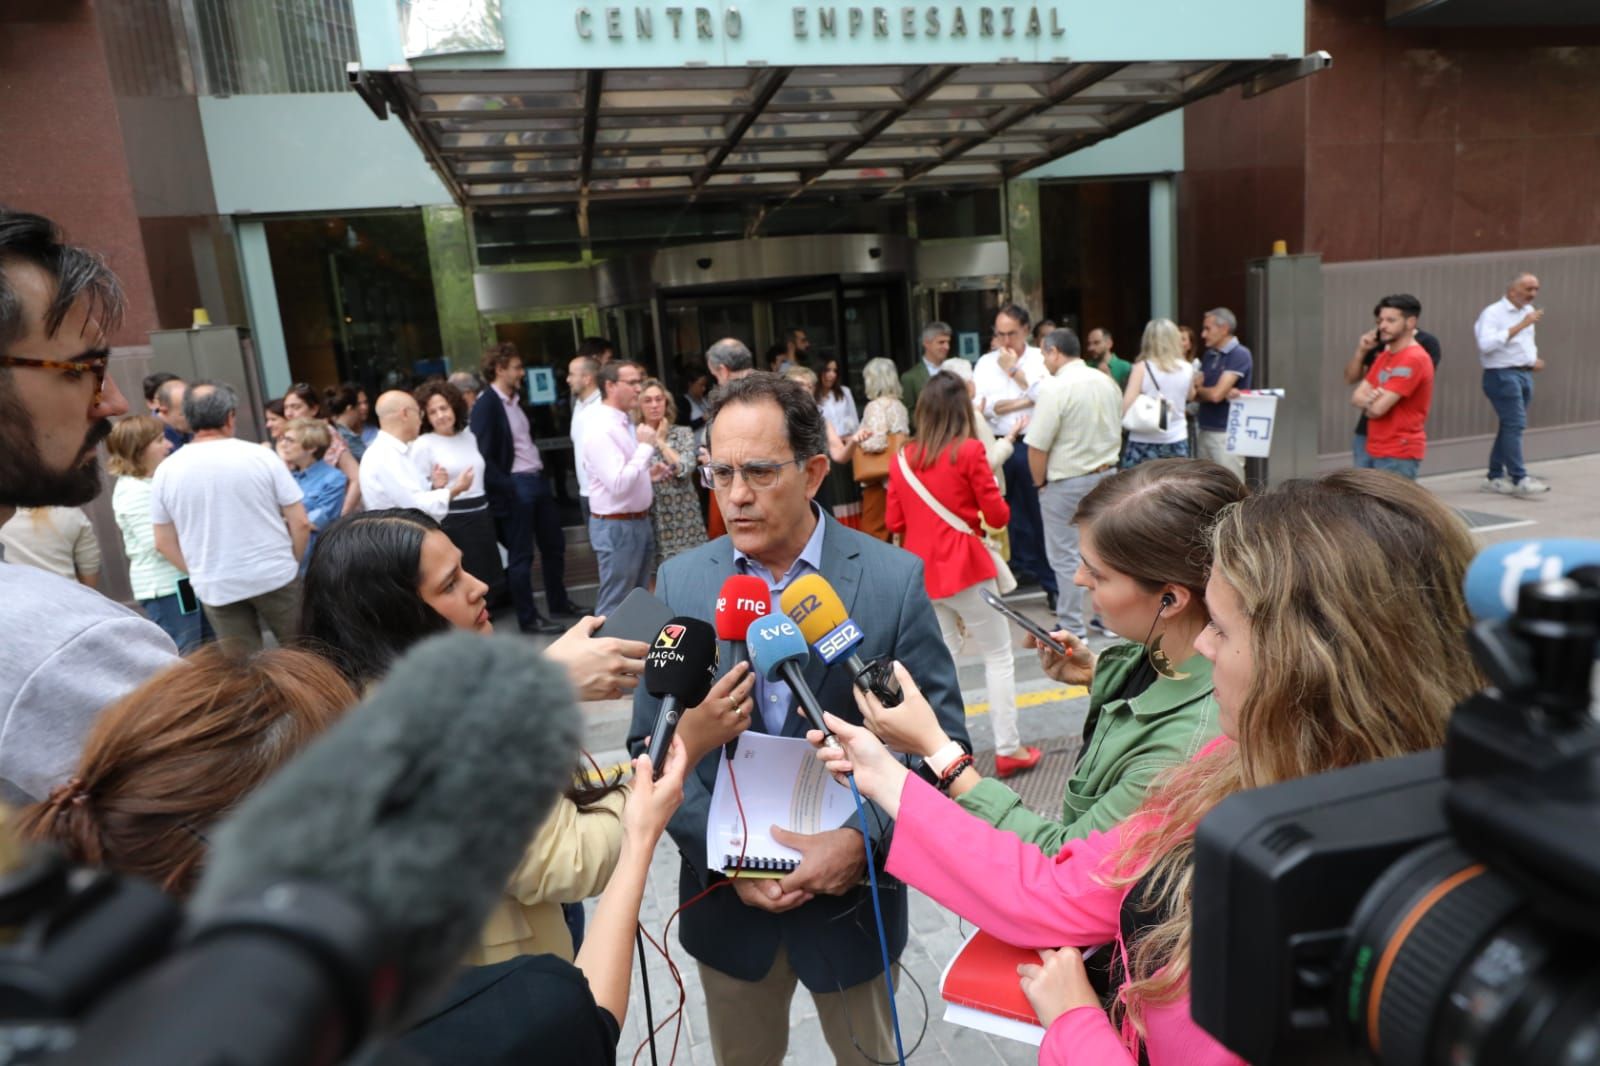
1397	391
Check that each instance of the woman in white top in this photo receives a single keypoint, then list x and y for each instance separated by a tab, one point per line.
137	446
1160	371
446	441
57	539
839	411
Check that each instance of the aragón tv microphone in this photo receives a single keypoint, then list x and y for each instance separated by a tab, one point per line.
811	604
340	897
678	670
742	599
1498	573
779	653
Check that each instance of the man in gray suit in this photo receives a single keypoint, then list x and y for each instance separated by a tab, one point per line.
755	940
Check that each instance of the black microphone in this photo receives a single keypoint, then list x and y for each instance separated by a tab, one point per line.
340	897
678	670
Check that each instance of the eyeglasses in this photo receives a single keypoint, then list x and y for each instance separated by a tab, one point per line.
97	363
757	476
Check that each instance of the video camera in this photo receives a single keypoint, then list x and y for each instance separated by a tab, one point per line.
1438	908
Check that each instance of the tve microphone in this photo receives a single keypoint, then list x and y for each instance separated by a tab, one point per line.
1500	570
678	670
779	653
743	599
811	604
340	897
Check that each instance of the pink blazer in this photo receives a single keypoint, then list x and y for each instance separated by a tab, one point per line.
1014	891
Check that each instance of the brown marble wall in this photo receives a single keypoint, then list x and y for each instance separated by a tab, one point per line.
1416	142
62	153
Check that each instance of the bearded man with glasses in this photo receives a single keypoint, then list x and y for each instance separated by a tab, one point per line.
69	650
767	446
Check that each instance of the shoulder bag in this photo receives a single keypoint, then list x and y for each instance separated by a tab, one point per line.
1003	577
1148	413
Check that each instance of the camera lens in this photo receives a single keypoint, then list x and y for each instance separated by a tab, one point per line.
1446	965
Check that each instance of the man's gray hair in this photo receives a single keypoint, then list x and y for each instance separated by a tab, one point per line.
1064	341
935	329
208	405
1517	278
466	382
1226	317
730	354
165	391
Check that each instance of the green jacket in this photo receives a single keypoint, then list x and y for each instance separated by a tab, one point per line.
1132	744
911	385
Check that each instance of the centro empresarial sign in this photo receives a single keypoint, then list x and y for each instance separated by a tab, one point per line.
676	22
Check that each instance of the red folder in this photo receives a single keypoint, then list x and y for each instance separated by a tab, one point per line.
983	976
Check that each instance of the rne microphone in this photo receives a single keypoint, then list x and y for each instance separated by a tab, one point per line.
811	604
1497	574
340	897
742	599
779	653
678	670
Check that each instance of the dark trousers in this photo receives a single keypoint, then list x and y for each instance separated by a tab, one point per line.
533	516
1026	530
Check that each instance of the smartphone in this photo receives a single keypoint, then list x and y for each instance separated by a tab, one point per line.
639	616
188	602
1029	626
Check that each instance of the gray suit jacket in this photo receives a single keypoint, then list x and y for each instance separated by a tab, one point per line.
832	941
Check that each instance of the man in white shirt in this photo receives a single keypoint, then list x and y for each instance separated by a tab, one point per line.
69	651
1008	382
581	373
229	514
1510	357
389	474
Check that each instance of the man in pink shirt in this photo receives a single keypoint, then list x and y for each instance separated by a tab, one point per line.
617	471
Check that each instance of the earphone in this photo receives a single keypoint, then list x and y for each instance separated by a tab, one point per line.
1168	600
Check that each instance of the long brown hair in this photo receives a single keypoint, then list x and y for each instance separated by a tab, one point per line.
177	753
128	440
1352	587
944	419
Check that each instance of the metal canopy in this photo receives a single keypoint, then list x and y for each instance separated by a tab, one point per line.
500	137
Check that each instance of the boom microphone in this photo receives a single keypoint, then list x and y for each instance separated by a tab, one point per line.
811	604
341	896
678	670
779	653
743	599
1500	570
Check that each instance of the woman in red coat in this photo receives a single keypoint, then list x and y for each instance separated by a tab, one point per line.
948	463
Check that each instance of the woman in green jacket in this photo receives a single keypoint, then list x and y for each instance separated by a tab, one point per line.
1146	551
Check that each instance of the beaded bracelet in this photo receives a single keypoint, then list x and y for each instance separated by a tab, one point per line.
953	771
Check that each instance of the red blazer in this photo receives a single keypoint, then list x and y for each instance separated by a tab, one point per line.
951	561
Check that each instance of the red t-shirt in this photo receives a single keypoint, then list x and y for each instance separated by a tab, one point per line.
1409	374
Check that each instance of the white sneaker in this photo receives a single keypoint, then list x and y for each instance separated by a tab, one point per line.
1500	485
1530	486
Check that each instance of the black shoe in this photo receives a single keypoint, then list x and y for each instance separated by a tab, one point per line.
571	609
1050	602
540	627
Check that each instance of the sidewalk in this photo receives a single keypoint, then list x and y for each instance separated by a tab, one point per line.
1570	509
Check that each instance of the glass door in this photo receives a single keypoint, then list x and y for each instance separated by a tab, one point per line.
813	308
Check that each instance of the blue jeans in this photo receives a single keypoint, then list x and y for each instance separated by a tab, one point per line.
533	518
624	548
188	631
1404	467
1026	530
1510	390
1359	453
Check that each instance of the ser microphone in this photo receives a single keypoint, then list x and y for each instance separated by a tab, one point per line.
1497	574
340	897
811	604
742	599
779	653
678	670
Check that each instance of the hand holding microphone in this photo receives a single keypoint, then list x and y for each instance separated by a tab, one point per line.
813	605
600	668
852	749
909	727
721	716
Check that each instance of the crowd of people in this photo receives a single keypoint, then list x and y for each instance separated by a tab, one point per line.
1258	636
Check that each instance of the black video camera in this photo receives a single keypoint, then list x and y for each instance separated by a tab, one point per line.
1439	908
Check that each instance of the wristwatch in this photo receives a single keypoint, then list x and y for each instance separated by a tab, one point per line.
941	760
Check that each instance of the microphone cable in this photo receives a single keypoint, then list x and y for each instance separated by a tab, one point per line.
644	980
877	914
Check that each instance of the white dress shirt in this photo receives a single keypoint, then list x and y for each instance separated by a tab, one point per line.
1496	348
580	410
389	478
995	385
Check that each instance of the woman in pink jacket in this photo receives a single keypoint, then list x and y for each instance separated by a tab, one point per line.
1335	639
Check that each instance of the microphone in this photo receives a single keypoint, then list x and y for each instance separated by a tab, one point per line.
340	897
811	604
779	653
1498	572
742	599
678	670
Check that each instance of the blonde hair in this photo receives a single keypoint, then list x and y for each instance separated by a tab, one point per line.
881	378
1162	345
804	375
671	414
1352	587
127	442
313	434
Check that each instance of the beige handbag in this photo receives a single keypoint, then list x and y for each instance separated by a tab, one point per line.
1003	577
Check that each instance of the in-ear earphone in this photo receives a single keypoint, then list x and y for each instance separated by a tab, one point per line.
1168	600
